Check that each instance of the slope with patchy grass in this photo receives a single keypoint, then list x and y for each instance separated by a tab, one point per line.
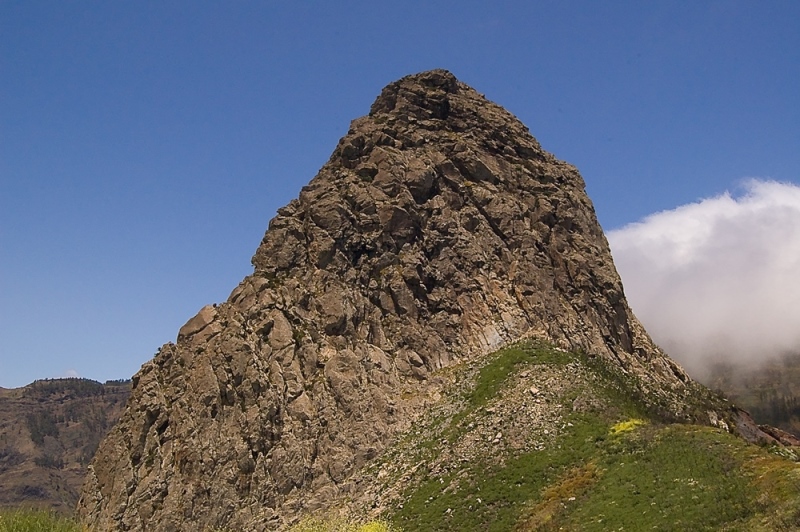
535	438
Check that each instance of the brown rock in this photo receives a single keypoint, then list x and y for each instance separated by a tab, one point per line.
438	231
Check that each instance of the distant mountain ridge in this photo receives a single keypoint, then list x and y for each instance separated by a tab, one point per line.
769	389
49	432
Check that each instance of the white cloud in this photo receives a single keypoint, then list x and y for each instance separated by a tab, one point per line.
70	374
718	279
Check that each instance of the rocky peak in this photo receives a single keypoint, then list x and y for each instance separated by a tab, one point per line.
422	96
438	231
437	204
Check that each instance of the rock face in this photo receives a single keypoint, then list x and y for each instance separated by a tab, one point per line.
438	231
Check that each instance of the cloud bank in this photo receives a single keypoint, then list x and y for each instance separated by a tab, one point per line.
718	279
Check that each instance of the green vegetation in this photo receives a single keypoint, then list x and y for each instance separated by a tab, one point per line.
29	520
40	424
73	386
497	371
670	478
769	391
342	525
482	497
9	458
117	382
507	362
611	467
49	461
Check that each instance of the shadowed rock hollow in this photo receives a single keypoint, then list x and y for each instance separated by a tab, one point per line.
438	231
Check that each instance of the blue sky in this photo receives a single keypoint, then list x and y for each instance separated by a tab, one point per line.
144	146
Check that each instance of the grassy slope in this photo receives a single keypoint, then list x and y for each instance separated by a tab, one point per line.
602	471
23	520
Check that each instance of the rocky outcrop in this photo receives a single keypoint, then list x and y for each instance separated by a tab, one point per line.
438	231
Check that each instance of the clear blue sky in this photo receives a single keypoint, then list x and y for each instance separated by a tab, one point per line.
144	146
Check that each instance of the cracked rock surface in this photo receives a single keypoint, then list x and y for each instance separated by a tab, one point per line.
438	231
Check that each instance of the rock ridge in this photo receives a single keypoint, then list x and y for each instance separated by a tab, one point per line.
438	231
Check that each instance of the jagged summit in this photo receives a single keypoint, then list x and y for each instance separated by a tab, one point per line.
429	198
438	231
429	102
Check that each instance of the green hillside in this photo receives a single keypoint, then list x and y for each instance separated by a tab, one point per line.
539	439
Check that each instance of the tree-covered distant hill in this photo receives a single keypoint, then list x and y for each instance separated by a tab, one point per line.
769	391
49	431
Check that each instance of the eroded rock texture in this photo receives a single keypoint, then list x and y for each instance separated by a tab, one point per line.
438	230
